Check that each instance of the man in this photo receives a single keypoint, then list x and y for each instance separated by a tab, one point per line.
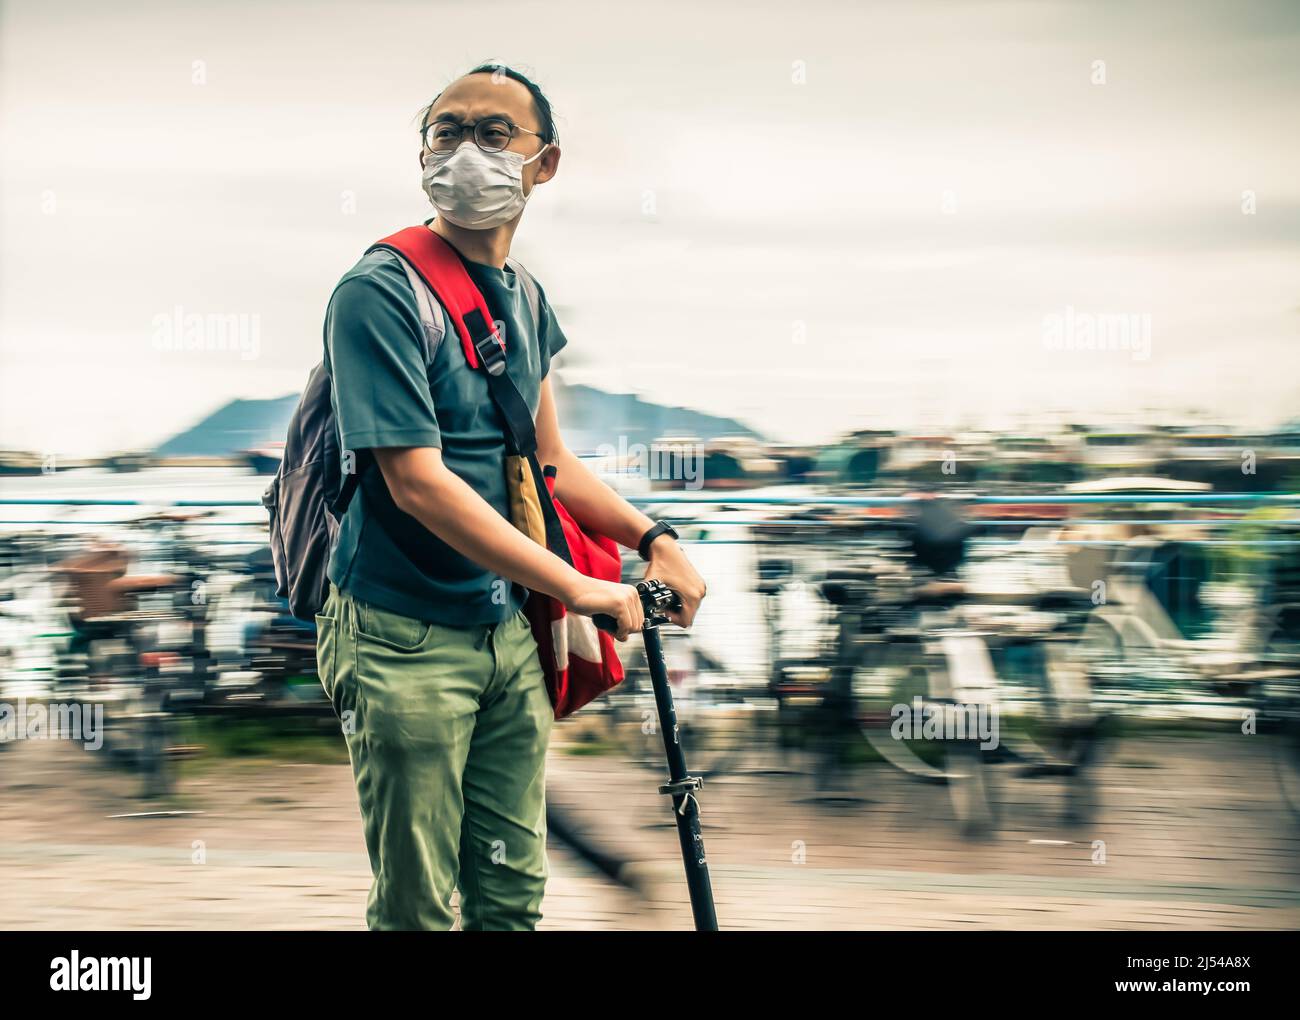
450	713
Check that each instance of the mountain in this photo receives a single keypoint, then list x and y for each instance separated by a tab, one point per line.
590	417
239	425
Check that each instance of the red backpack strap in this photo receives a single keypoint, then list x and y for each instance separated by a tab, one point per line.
441	268
439	265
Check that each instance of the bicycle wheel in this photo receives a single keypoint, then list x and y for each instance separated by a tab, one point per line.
1287	759
1050	724
1281	715
970	789
153	763
903	701
713	718
895	680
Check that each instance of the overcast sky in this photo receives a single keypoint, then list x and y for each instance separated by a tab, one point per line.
813	216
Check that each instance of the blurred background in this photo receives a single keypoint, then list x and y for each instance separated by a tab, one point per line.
960	339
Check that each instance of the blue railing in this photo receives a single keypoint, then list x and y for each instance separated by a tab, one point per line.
716	498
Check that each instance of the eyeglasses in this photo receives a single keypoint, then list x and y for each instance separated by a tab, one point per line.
490	135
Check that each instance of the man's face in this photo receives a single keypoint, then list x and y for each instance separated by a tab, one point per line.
484	96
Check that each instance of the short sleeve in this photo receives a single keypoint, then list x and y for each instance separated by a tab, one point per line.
374	343
550	337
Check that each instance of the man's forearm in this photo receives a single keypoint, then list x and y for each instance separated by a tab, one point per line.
595	505
449	507
599	508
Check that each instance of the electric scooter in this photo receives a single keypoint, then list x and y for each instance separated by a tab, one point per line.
656	599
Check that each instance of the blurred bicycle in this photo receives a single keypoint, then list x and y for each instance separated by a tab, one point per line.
922	665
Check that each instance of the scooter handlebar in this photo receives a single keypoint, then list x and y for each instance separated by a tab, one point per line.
656	600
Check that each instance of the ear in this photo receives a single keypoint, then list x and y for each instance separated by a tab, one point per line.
547	165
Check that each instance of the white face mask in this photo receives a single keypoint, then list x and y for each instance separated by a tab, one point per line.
475	189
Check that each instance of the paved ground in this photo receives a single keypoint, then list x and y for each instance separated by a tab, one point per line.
1192	830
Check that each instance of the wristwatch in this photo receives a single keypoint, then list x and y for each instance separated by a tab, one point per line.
655	530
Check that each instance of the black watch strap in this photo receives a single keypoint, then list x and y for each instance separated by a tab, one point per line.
654	531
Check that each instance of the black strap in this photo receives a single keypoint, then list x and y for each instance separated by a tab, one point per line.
520	431
350	482
653	532
555	540
517	421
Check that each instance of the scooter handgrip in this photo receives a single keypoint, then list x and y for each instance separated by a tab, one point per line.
655	598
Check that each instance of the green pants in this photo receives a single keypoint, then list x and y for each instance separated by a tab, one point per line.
447	730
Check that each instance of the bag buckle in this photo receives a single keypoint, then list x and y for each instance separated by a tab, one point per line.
492	352
488	342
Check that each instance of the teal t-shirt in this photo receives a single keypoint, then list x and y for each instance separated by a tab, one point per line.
390	390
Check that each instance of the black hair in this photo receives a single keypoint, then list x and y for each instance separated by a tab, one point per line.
542	105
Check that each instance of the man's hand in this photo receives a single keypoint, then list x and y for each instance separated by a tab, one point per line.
621	601
669	564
